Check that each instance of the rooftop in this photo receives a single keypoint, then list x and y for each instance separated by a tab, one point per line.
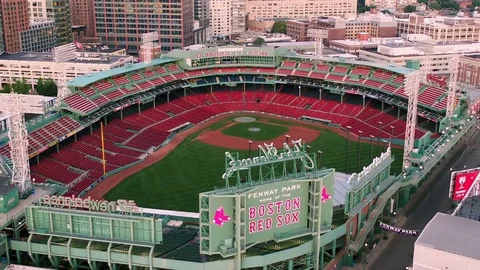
47	57
452	234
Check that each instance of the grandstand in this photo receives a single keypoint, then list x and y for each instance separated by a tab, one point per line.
169	94
144	105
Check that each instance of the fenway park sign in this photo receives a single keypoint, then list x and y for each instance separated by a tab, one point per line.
268	155
90	204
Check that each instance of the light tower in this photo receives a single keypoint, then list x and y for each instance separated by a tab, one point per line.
61	55
16	106
452	84
148	40
412	85
427	47
318	35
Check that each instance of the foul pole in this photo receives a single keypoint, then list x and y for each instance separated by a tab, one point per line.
104	162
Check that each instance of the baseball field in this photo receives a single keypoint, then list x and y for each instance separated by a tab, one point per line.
195	161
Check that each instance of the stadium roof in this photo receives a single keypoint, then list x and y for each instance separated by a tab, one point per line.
93	77
176	55
452	234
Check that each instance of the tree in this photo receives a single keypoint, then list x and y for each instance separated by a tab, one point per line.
258	42
423	2
19	87
279	27
7	88
46	87
364	9
409	9
476	3
435	6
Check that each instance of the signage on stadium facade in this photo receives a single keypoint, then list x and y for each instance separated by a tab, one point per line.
90	204
398	230
230	53
461	182
268	155
367	170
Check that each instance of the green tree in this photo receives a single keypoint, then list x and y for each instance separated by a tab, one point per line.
364	9
7	88
279	27
476	3
435	6
46	87
19	87
258	42
423	2
409	9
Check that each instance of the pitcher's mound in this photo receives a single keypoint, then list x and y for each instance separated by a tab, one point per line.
245	119
254	129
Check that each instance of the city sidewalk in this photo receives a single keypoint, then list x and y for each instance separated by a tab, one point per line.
374	253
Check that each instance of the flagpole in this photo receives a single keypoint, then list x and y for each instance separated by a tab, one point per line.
104	163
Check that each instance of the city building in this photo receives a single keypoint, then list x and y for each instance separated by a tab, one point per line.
469	70
2	41
83	15
398	52
440	28
14	21
374	25
351	46
390	4
227	17
33	66
298	29
57	11
40	37
448	242
201	12
172	19
298	9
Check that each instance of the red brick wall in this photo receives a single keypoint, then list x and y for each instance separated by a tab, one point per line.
387	31
15	20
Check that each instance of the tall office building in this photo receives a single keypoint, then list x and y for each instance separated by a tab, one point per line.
201	12
227	17
83	14
14	21
57	11
121	23
2	41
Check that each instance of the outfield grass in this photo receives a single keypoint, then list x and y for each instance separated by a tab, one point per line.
194	167
266	132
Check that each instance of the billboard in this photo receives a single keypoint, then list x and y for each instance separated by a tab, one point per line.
460	183
275	209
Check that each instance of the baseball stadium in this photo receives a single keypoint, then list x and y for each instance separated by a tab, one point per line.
220	158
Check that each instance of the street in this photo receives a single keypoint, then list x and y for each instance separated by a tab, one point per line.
399	253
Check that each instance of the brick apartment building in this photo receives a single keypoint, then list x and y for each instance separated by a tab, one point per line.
82	14
14	20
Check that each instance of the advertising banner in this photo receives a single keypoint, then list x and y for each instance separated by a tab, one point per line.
461	183
398	230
